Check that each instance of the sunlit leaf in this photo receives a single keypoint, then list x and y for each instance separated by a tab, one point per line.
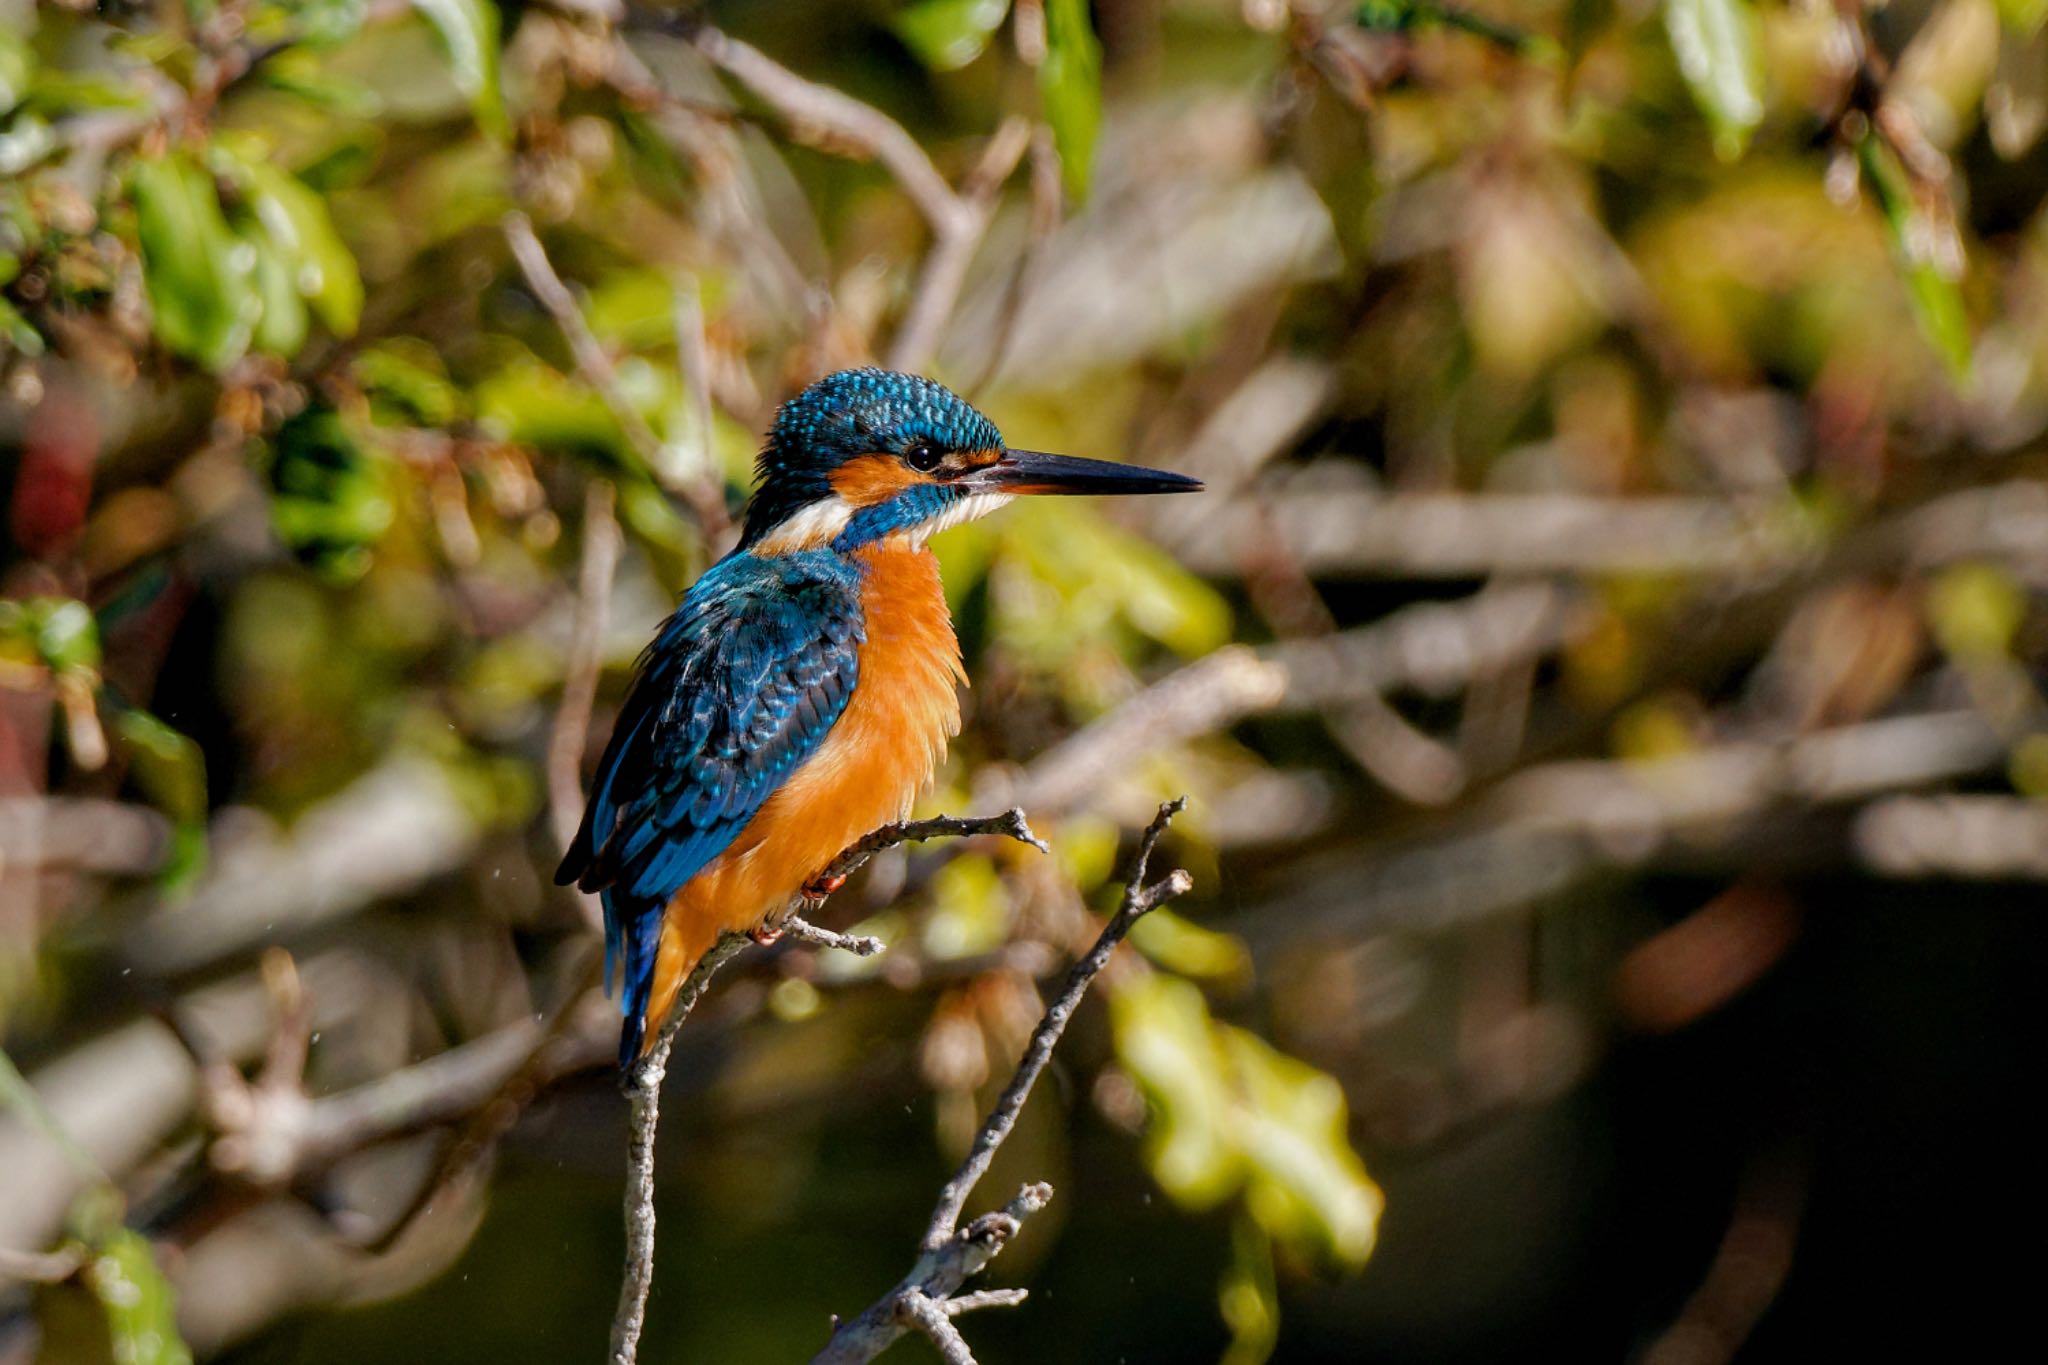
2023	16
317	266
406	382
1715	42
17	68
1230	1114
1249	1297
1070	82
167	764
1163	1039
325	22
1931	281
331	499
66	633
17	331
1305	1184
24	142
198	273
141	1309
1182	946
469	29
970	909
948	34
1976	610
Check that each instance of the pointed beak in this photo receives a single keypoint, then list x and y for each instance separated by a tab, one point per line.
1032	471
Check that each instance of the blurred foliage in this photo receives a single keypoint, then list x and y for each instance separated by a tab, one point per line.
302	462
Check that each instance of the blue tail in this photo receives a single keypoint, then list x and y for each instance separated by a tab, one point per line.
632	930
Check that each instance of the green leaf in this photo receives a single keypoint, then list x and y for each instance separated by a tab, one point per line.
327	22
1231	1114
331	498
1305	1185
1715	42
198	273
1182	946
66	633
1163	1039
317	266
1249	1297
166	763
281	330
1936	293
1976	611
407	383
469	29
25	142
948	34
17	69
17	331
141	1309
1070	83
2023	16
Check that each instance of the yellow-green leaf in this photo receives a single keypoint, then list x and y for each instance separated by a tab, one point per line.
2023	16
1932	282
469	29
948	34
318	266
141	1309
198	273
1715	42
167	764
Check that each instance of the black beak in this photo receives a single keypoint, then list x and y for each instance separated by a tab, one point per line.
1031	471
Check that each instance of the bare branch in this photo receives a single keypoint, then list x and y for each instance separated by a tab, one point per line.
819	114
949	1254
945	265
929	1316
643	1081
596	367
586	646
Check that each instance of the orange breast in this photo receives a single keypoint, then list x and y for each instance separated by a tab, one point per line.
868	771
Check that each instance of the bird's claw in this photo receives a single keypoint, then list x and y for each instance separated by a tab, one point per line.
817	888
765	934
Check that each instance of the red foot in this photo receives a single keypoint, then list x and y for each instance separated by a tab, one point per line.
820	887
765	934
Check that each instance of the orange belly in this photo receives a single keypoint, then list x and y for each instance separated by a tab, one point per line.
868	771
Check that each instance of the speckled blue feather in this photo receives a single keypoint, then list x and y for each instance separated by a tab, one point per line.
745	680
851	413
740	686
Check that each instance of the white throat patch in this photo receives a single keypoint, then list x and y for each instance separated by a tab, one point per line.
811	528
970	508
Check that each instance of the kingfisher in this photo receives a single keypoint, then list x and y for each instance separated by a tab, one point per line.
804	691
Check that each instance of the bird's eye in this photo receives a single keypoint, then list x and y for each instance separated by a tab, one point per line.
922	456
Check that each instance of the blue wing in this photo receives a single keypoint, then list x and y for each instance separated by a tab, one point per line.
740	686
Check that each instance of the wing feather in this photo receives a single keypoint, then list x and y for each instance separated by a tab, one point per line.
740	686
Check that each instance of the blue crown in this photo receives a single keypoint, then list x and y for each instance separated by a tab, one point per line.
848	414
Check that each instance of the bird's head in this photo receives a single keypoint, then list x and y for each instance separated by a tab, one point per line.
863	455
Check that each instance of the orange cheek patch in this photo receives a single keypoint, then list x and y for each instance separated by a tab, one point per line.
866	480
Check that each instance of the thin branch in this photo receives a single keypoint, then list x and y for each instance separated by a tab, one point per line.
643	1081
39	1267
944	271
596	366
818	113
929	1316
822	116
1138	898
949	1255
586	656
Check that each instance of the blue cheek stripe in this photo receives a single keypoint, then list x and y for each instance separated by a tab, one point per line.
907	509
